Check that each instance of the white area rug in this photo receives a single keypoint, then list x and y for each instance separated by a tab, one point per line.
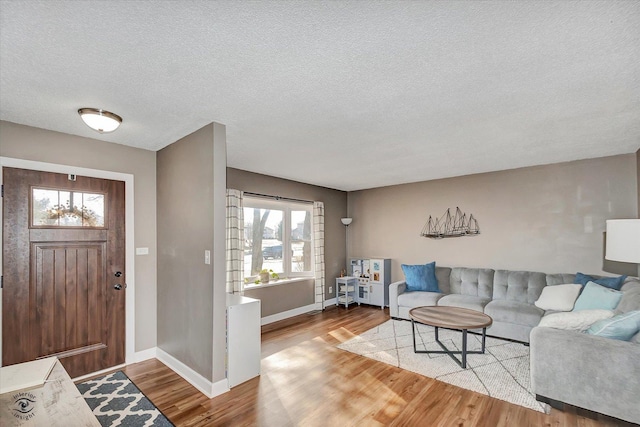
502	372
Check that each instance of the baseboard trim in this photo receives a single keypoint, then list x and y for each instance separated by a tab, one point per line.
205	386
141	356
287	314
220	387
329	302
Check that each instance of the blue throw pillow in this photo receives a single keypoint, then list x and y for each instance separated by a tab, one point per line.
621	327
609	282
421	277
597	297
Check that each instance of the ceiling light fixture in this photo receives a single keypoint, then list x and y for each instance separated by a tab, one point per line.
100	120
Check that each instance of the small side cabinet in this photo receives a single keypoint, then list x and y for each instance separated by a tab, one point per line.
243	339
346	288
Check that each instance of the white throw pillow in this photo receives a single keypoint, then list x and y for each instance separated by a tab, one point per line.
574	320
558	297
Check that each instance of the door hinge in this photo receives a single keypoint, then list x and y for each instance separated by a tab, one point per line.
1	282
2	191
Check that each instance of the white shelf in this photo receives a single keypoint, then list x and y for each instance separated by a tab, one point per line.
346	288
243	339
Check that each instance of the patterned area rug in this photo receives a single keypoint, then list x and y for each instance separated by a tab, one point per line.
116	401
502	372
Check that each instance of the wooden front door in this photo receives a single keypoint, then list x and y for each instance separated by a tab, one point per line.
63	270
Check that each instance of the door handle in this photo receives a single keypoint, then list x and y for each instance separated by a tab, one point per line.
117	286
118	273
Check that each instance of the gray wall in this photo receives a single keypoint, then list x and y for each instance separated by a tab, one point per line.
190	311
280	298
29	143
277	299
546	218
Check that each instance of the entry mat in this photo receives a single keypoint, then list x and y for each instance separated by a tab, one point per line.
116	401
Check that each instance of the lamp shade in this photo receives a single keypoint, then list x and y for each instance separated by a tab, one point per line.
346	221
100	120
623	240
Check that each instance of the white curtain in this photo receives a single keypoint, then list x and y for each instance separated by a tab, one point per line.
235	242
318	240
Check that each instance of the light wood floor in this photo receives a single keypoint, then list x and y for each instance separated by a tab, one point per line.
307	381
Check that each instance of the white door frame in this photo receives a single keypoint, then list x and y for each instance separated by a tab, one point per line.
130	309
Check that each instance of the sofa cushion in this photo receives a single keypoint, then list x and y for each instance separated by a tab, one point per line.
621	327
421	277
520	286
595	297
631	298
608	282
514	312
574	320
443	274
418	299
464	301
559	297
560	278
472	281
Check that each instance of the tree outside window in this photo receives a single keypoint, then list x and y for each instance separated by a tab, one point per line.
279	238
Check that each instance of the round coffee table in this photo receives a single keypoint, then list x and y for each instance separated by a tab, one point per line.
457	318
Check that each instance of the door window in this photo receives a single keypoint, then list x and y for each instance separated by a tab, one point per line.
63	208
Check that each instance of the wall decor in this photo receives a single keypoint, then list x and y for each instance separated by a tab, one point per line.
457	225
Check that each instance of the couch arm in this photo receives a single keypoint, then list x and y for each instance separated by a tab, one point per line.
595	373
395	289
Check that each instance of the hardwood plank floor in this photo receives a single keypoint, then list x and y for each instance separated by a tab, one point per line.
307	381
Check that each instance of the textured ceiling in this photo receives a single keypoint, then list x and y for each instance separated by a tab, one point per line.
342	94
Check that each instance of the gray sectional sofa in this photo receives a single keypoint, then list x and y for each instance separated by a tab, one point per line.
507	296
595	373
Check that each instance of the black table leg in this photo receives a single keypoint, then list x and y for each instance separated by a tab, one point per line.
463	361
413	332
464	349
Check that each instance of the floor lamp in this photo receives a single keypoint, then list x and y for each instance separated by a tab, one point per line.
623	240
346	222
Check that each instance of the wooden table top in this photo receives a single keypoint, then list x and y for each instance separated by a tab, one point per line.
450	317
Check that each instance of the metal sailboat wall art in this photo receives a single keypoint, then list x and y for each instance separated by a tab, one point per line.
457	225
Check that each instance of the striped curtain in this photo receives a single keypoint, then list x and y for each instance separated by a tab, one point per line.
318	240
235	242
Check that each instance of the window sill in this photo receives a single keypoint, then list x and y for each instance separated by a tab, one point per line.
252	286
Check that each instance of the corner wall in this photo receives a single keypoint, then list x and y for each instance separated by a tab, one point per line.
638	176
546	218
191	298
638	195
281	298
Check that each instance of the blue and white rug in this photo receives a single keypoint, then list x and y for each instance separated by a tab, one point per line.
116	401
502	372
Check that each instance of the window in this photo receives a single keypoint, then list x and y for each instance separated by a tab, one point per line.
64	208
278	238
